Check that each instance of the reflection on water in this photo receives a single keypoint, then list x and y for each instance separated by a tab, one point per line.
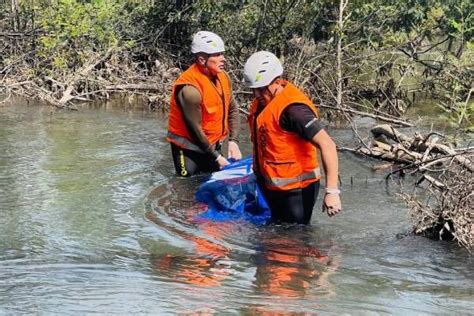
94	221
285	264
205	266
275	263
288	266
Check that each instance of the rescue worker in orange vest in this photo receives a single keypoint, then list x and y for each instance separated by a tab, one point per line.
287	137
202	113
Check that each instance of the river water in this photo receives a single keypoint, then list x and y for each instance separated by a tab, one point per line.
93	220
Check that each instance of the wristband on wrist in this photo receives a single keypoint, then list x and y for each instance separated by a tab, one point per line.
333	191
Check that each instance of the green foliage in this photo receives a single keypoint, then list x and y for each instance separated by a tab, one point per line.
428	42
245	25
470	127
73	31
461	20
461	115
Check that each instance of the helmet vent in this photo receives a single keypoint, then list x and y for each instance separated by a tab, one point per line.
261	69
207	42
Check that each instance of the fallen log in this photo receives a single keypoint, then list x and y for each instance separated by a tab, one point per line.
447	211
67	95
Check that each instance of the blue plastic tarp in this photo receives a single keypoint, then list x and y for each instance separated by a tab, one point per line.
232	193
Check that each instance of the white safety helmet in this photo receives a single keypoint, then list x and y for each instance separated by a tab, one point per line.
207	42
261	68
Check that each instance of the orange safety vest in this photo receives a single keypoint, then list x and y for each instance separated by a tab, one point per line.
214	107
285	160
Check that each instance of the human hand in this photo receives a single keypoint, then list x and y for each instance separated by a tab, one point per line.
332	203
234	151
221	161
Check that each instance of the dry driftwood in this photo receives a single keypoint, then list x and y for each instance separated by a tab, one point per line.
375	116
390	144
446	181
134	87
100	77
445	208
67	95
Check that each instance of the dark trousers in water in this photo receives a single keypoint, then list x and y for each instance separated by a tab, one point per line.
292	206
188	162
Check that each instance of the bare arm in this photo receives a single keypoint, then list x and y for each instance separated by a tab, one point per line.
332	202
329	157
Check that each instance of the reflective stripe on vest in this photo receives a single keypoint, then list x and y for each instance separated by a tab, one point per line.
281	182
285	160
184	143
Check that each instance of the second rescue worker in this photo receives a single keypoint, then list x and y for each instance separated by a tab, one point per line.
202	113
287	138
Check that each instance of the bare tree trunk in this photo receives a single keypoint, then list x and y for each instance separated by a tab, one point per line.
260	24
340	25
15	16
463	23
